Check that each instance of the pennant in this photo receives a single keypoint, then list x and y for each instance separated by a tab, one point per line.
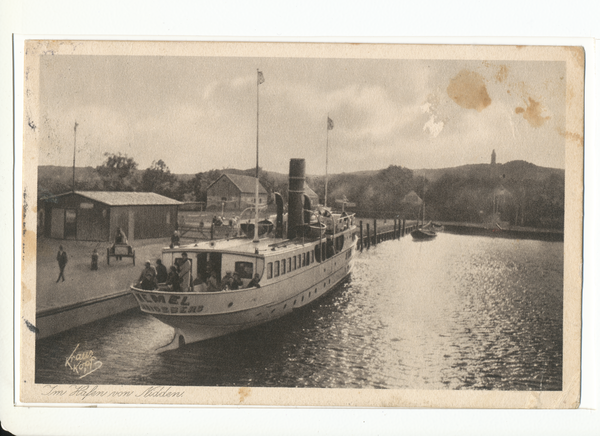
261	78
329	124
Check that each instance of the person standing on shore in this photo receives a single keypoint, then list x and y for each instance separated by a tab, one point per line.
62	259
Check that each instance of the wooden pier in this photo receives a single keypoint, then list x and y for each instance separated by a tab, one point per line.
387	232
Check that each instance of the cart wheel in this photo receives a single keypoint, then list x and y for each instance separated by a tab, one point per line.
108	256
133	257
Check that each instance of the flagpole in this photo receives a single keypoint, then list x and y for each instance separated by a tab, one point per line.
74	151
258	74
326	161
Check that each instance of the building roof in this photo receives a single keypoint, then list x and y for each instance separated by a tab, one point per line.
119	198
310	193
246	184
412	198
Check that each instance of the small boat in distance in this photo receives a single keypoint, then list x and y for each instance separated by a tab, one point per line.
426	231
423	233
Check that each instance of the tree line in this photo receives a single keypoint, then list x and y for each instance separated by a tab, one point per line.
519	199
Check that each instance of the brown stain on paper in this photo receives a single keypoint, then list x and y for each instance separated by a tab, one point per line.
502	74
532	113
571	136
468	90
244	393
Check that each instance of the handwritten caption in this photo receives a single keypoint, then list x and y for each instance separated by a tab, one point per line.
83	363
82	392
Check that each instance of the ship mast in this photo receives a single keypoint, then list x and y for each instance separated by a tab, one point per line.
329	127
259	79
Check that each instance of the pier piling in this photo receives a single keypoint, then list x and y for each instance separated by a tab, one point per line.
368	237
362	241
374	232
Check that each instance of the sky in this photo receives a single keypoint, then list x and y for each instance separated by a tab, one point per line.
200	113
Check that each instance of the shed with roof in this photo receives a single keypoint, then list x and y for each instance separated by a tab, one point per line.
96	215
234	191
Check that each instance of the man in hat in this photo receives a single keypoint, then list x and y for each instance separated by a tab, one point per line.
185	272
227	281
236	283
148	277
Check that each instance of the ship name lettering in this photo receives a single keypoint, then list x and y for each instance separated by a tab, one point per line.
158	298
173	299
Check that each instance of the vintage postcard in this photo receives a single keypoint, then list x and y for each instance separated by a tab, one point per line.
287	224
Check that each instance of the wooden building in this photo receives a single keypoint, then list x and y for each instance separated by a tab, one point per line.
96	215
235	191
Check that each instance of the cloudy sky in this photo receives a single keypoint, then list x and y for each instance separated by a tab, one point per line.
198	113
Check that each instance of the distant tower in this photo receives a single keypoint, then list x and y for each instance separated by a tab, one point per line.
493	167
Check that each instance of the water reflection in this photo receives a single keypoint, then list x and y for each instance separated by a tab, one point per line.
459	312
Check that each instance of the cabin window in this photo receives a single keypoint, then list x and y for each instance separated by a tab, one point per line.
294	263
283	267
289	262
300	262
339	243
276	269
312	256
168	217
269	270
244	269
318	252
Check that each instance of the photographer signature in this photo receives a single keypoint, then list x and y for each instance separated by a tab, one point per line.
83	363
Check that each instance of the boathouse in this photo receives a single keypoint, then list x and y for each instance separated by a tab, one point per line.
96	215
234	191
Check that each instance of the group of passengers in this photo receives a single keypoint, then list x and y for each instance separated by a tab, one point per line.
179	278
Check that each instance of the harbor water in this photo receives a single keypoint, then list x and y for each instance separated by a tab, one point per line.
456	312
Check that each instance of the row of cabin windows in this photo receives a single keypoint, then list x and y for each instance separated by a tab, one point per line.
321	252
277	268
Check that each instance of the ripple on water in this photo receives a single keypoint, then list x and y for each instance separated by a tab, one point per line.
459	312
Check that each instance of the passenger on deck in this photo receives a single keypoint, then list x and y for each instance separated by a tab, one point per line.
147	279
199	285
185	273
236	282
161	272
254	282
226	281
212	284
173	280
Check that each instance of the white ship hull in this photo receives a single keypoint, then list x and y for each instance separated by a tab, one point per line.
197	316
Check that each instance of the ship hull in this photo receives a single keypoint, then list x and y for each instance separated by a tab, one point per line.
200	316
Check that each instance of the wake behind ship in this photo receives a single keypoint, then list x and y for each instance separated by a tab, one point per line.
277	274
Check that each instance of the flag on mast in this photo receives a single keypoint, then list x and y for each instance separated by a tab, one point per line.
261	78
329	123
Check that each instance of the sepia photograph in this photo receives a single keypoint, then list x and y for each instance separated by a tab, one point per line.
302	224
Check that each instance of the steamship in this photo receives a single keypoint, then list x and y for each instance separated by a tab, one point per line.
296	264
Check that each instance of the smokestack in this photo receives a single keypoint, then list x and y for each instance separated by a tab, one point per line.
296	198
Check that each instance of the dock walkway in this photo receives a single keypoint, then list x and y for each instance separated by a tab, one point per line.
85	295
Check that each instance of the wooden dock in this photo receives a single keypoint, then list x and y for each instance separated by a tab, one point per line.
395	229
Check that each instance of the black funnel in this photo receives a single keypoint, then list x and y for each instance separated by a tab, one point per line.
296	199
